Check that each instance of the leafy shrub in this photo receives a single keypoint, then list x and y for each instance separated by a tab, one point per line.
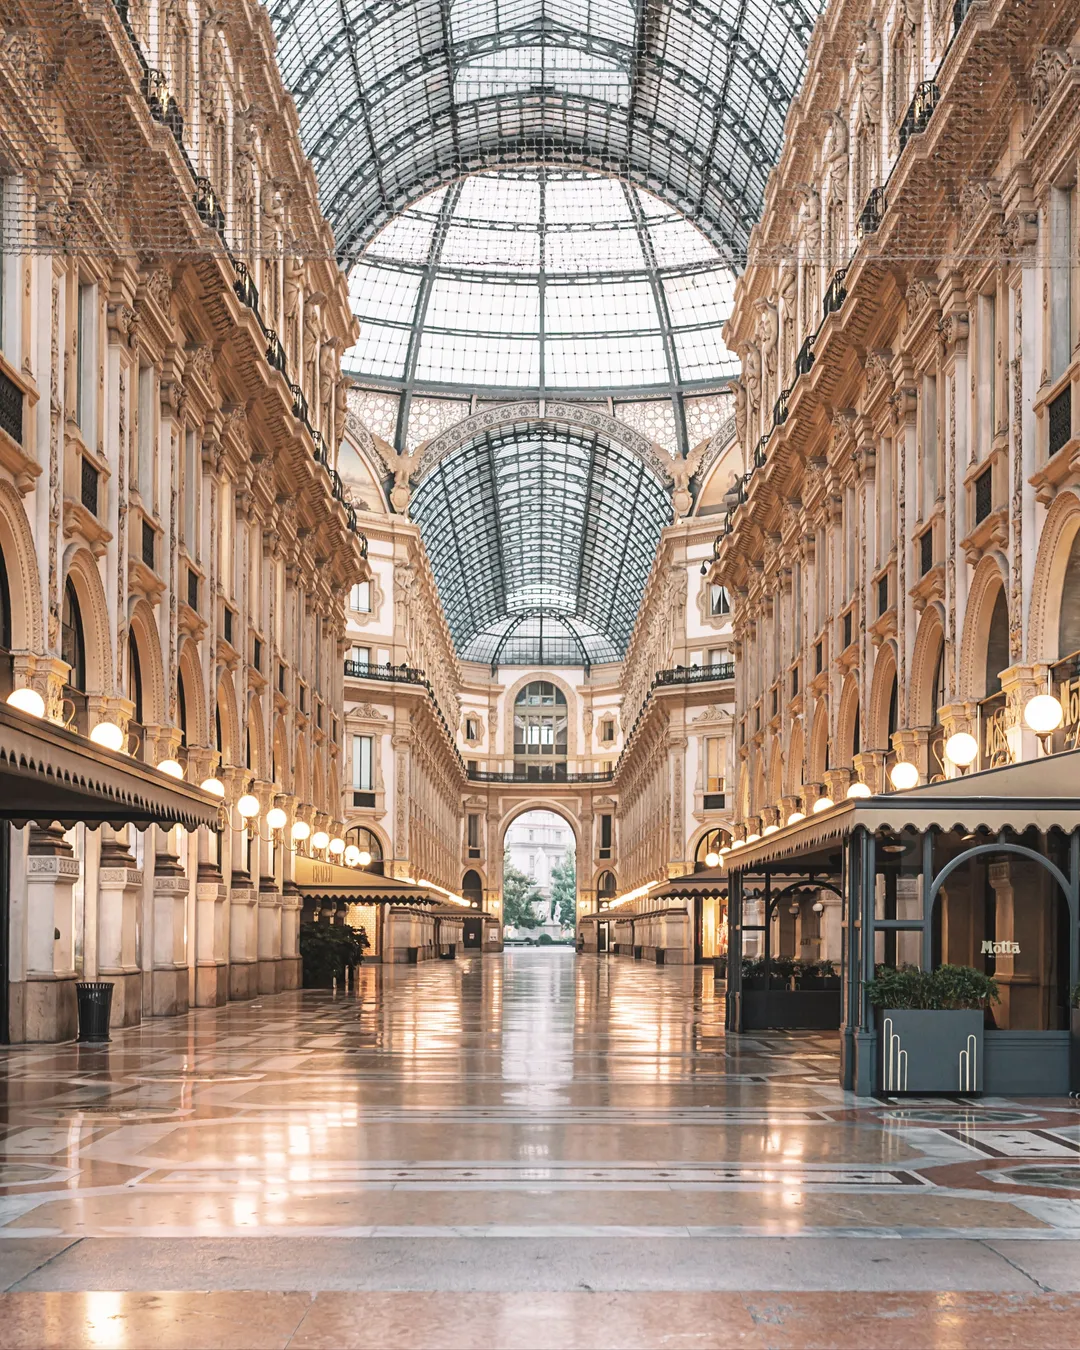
949	988
544	940
326	949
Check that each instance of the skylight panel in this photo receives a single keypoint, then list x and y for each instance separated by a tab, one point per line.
380	352
387	294
699	298
702	355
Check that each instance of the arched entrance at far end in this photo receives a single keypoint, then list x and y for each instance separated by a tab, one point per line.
539	878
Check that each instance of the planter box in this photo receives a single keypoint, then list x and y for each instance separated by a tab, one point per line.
1027	1063
1074	1050
797	1009
922	1050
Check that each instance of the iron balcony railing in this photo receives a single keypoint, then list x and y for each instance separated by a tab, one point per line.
208	205
805	358
836	294
695	674
780	408
872	214
366	670
244	285
546	773
11	408
759	452
919	112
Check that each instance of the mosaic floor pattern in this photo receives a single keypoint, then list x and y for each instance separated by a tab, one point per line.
533	1149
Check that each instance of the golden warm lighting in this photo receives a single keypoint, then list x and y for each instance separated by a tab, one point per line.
108	735
300	830
962	747
712	859
352	856
904	775
1043	714
248	806
795	817
363	858
336	846
176	770
859	790
27	701
752	838
823	804
276	818
769	829
214	786
320	839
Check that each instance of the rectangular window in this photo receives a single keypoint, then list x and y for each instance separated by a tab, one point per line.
1061	227
607	731
3	264
719	603
797	592
886	503
84	360
362	762
986	387
851	542
226	562
605	836
714	764
191	488
473	835
472	729
360	657
930	474
360	598
145	466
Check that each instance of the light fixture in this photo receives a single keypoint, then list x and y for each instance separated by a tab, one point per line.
276	818
28	701
904	775
859	790
248	806
818	907
726	848
214	786
1044	714
336	846
320	839
891	843
363	858
823	804
352	856
704	568
301	830
795	817
793	908
712	859
752	838
961	748
769	829
108	735
176	770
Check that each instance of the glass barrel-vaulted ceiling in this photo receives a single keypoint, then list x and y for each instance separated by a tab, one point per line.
541	520
684	97
541	280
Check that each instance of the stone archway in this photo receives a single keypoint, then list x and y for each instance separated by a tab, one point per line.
142	630
819	743
847	724
1057	544
925	659
82	571
24	580
517	852
990	580
229	722
189	671
877	734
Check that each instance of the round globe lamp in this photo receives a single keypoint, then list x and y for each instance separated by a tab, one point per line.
108	735
301	830
276	818
248	806
27	701
823	804
859	790
320	839
176	770
712	859
214	786
962	748
904	775
795	817
363	858
352	856
1043	714
336	846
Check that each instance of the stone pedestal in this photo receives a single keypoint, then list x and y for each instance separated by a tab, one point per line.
268	937
291	975
1021	684
837	782
243	950
119	889
169	978
809	794
913	746
870	767
211	949
50	1011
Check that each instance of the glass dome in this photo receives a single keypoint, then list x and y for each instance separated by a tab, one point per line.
563	282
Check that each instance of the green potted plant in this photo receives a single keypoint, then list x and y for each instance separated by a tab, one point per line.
930	1027
326	949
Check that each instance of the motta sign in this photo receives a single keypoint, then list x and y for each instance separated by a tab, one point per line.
1000	948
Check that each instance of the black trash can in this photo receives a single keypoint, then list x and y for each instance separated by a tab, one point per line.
719	965
412	955
95	1005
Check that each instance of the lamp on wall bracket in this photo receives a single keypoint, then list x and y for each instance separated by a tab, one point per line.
904	775
962	749
717	542
1044	714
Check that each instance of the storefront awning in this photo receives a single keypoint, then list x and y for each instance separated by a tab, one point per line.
49	775
330	881
710	883
1039	794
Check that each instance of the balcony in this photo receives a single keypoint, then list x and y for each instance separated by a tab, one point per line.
244	286
364	670
780	408
759	452
835	295
872	214
540	773
695	674
918	115
805	358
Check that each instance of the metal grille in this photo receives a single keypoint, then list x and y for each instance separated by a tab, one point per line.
882	595
11	408
984	494
819	658
1059	418
847	629
149	541
193	590
227	625
89	486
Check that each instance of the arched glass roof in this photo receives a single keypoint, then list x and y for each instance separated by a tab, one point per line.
543	280
538	517
684	97
540	638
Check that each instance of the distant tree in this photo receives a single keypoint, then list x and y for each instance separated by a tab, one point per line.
564	890
520	895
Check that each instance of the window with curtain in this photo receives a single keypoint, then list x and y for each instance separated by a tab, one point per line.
363	763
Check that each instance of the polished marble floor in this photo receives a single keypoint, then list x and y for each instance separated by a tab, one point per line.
533	1149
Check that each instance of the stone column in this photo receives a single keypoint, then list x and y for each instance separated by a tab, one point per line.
954	718
788	807
243	896
290	964
268	915
870	766
913	745
51	1013
119	888
1020	684
837	782
169	976
808	795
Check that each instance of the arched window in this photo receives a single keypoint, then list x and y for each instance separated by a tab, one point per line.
367	841
181	707
606	886
135	693
1069	613
540	731
5	607
997	644
472	887
72	646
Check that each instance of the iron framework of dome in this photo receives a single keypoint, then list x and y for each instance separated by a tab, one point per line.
686	98
545	522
